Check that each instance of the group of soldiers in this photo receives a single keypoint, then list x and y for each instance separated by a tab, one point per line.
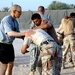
65	38
48	51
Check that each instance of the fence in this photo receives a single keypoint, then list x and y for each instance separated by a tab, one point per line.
25	19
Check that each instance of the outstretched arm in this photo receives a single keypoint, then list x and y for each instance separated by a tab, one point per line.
16	34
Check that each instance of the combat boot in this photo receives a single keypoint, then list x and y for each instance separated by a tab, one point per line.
31	73
70	64
63	65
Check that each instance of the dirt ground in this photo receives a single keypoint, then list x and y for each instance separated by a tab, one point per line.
22	67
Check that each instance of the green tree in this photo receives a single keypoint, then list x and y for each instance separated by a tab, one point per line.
55	5
5	9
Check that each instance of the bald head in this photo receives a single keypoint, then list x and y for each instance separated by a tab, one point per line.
15	7
41	10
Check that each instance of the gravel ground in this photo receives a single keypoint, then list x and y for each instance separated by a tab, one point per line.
21	66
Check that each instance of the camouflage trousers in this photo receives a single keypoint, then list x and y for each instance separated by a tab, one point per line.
67	55
58	60
36	61
51	59
34	57
69	44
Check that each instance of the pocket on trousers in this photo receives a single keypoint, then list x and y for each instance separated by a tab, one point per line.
49	64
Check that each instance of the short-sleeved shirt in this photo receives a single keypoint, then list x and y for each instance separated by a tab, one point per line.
38	37
8	24
44	17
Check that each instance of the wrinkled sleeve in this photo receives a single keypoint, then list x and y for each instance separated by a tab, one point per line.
27	41
7	27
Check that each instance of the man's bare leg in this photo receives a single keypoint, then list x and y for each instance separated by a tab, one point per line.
3	68
9	68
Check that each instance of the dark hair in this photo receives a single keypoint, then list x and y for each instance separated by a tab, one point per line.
72	14
41	9
35	16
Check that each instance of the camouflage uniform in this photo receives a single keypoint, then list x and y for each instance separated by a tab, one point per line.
34	57
69	39
51	58
35	50
58	63
34	54
66	50
59	54
58	60
66	53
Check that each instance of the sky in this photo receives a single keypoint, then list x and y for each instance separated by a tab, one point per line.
31	4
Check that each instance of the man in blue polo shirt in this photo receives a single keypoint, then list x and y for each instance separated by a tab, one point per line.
9	30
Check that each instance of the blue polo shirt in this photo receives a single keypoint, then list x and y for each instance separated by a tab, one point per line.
8	24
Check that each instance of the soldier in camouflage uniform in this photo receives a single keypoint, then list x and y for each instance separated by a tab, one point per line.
35	48
34	56
59	55
68	25
67	55
48	50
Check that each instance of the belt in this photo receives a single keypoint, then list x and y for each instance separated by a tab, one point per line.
4	42
60	33
46	42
